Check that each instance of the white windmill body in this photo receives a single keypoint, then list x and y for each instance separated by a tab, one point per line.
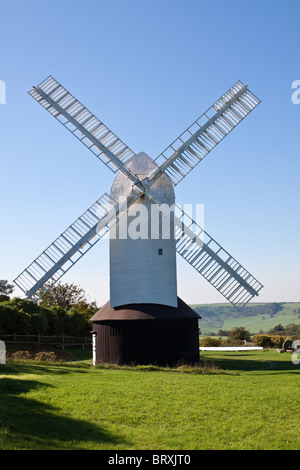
144	321
142	259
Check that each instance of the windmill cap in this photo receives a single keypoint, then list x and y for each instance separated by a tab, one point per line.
144	312
142	166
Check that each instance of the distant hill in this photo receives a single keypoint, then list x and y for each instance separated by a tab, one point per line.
255	317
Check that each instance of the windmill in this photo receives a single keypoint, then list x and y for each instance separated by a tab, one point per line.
144	321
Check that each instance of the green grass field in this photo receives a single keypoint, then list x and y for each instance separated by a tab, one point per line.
213	319
248	400
261	322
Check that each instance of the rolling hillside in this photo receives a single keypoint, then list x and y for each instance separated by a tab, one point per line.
255	317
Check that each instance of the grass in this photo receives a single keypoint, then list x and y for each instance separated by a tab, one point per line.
262	322
245	400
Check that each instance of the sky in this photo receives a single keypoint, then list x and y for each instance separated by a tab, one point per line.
148	69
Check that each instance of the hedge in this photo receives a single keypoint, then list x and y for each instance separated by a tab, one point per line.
268	341
22	316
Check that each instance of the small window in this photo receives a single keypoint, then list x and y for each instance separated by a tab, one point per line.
160	251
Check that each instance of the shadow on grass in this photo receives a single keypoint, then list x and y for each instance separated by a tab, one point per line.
30	367
242	362
28	424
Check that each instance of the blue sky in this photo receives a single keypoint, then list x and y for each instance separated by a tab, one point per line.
148	69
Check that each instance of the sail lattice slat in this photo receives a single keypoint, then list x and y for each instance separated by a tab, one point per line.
67	249
213	262
83	124
201	137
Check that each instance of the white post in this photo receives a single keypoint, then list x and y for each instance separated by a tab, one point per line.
2	352
94	347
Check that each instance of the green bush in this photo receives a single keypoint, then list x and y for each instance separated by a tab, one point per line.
209	342
268	341
22	316
76	324
12	320
233	342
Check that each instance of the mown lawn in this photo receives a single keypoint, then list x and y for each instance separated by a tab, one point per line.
250	402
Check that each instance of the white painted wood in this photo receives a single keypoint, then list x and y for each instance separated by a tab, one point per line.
142	270
94	348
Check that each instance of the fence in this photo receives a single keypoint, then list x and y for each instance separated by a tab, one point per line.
41	341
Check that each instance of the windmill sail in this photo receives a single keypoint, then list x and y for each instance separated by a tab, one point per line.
84	125
67	249
205	133
73	244
213	262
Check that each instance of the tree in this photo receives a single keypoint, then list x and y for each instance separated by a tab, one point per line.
276	329
223	332
5	288
239	333
62	295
